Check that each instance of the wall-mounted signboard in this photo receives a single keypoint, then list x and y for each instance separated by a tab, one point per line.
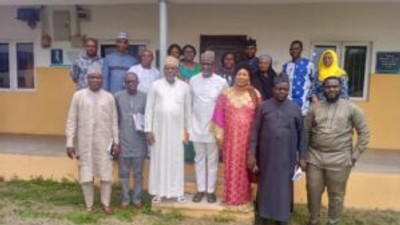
387	62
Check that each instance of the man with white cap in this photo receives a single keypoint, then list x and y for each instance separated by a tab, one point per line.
92	121
117	64
205	87
167	115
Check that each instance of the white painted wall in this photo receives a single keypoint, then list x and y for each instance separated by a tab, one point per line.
274	26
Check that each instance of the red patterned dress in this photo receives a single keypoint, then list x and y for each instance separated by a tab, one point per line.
232	121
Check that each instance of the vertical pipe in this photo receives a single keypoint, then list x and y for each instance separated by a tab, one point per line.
163	16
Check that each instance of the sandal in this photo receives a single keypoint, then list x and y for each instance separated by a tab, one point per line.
156	199
198	197
181	199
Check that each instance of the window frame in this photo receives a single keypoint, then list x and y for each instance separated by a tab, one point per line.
12	57
341	46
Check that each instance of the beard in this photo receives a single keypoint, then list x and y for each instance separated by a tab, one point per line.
207	73
331	99
170	80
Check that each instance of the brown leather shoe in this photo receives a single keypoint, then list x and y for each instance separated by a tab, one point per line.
106	210
88	209
124	206
138	205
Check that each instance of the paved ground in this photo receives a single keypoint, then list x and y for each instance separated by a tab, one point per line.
373	160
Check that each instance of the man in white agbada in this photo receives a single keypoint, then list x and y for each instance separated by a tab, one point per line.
92	121
146	73
205	87
167	114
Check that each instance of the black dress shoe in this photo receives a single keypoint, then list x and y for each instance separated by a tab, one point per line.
198	197
282	223
211	198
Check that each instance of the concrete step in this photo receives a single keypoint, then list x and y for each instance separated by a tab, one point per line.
213	211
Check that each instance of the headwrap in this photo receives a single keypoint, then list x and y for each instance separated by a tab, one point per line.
266	57
122	35
95	68
281	78
333	70
170	60
208	56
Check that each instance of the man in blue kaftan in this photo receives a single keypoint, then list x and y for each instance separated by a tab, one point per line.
117	64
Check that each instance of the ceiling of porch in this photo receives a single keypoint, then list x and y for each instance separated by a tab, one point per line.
114	2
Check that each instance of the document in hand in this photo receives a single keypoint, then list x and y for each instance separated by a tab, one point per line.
110	149
138	119
297	174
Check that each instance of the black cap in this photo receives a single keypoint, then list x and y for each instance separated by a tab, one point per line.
251	42
281	78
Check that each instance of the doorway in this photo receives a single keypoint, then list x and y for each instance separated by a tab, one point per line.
221	44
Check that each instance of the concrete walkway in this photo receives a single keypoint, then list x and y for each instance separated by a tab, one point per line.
373	160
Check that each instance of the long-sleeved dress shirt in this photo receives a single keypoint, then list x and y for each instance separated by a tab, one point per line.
329	133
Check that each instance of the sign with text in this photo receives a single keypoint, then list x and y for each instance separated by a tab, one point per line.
387	62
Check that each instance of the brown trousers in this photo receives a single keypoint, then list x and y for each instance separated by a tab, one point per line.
335	181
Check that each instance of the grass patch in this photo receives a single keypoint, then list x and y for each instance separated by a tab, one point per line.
83	217
174	216
62	202
126	215
29	213
224	216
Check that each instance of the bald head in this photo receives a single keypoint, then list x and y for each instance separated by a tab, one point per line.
281	87
146	58
130	75
131	82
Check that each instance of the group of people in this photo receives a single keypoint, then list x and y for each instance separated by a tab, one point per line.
261	123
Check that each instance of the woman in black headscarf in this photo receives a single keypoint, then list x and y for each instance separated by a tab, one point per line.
263	79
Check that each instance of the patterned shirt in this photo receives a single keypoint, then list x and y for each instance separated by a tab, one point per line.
79	68
301	75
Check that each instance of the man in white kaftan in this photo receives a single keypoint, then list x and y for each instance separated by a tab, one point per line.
92	121
205	88
166	117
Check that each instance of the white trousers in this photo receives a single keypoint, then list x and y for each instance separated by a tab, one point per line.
206	157
105	192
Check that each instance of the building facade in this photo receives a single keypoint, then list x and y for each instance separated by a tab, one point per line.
35	90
